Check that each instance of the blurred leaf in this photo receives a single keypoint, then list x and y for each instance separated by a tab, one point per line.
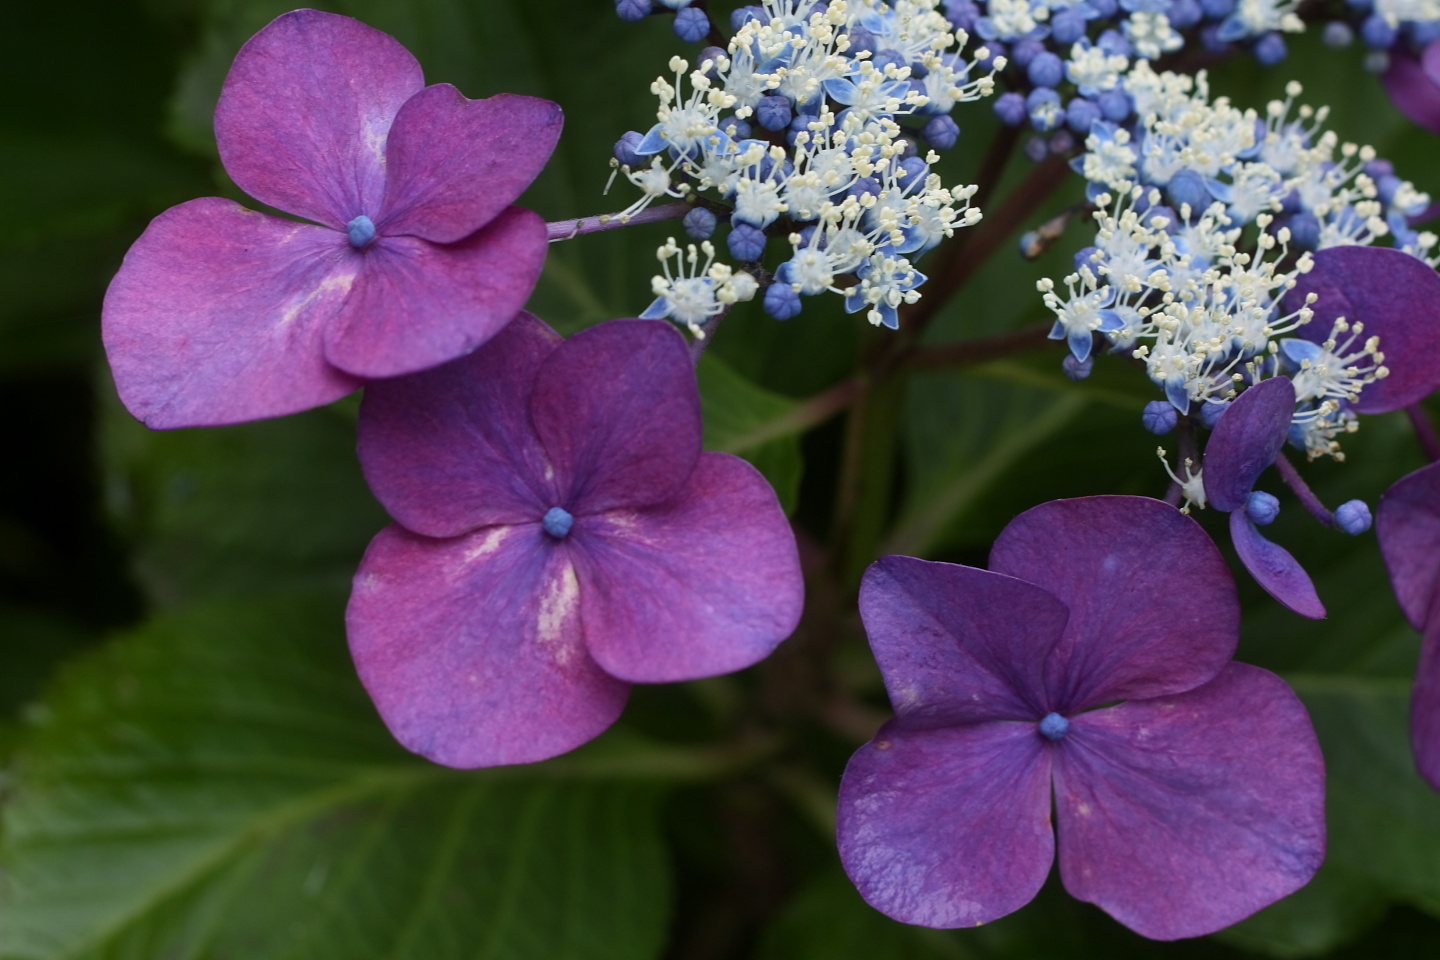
744	419
242	509
216	785
34	640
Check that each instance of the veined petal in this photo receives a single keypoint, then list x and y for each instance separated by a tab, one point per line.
306	108
1413	86
1407	524
472	648
956	644
1246	440
452	448
217	316
1274	568
418	304
947	827
453	164
618	413
704	584
1152	605
1181	815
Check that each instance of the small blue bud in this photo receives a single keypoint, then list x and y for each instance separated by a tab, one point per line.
941	133
1184	14
746	243
1082	258
1080	114
1063	141
1210	40
1379	167
1077	370
1386	187
1024	51
691	25
912	172
1114	44
781	301
861	39
1045	70
557	522
743	15
1010	108
1067	26
962	14
1353	516
1337	34
1270	49
1054	727
773	112
1188	187
735	128
1043	105
1217	9
1159	417
865	186
1376	33
699	224
1105	8
889	57
1162	212
360	231
1114	104
632	10
625	149
1305	231
1262	508
1210	413
1036	149
1424	34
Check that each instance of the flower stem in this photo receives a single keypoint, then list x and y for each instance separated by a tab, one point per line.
568	229
967	353
1302	490
1424	431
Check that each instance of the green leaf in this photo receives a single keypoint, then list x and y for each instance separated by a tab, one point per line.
216	785
743	418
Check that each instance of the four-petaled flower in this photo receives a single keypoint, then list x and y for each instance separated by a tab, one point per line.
560	536
1190	804
414	256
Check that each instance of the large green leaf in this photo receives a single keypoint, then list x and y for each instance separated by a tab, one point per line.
216	785
743	418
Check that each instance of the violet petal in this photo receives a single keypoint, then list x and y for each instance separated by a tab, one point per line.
1430	63
305	110
1425	706
472	648
217	316
1407	524
1181	815
618	413
453	164
1395	296
957	644
1274	568
1153	608
452	449
1413	88
417	304
705	584
948	827
1246	441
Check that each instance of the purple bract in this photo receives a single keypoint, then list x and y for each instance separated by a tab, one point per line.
1407	524
1190	805
414	257
560	536
1414	84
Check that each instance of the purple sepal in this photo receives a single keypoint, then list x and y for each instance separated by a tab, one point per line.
956	644
1246	441
1395	296
1272	566
1174	849
473	648
1407	524
238	333
1153	608
947	827
1425	706
1413	88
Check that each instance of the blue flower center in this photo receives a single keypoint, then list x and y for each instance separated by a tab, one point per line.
361	231
1054	726
557	522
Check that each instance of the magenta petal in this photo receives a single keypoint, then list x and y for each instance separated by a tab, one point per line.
1407	524
217	316
1430	63
418	304
1425	706
1395	296
1274	568
957	644
472	648
452	449
453	163
305	110
1152	605
1414	88
618	412
947	827
705	584
1246	440
1178	849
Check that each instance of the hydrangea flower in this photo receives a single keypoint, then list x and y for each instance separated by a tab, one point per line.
1407	524
1414	84
1190	804
413	255
559	536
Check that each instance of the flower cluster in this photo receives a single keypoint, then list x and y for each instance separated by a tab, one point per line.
806	128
